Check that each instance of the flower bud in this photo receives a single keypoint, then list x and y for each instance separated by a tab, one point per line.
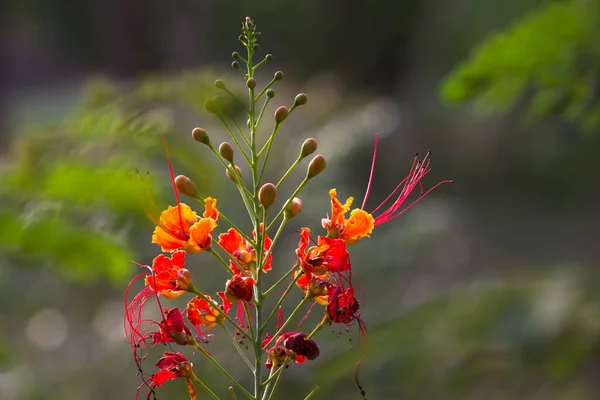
278	76
269	57
226	151
316	166
281	114
308	147
186	186
229	174
235	65
255	47
251	83
267	194
201	136
300	99
270	93
210	106
235	55
184	279
294	208
220	84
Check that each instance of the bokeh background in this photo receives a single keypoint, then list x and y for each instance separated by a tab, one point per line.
487	289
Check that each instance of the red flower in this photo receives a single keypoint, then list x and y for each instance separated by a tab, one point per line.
240	249
329	255
315	287
168	275
342	306
173	329
239	287
201	312
360	224
294	346
180	228
171	366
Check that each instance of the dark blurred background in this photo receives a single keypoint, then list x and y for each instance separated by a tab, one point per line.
486	289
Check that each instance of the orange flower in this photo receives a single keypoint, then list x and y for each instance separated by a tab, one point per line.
166	273
240	249
180	228
317	287
201	312
360	224
329	255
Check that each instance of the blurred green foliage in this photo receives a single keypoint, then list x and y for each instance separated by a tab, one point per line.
547	62
72	198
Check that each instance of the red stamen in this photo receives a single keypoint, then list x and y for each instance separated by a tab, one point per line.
371	173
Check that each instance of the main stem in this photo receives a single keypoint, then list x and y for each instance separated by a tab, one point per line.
258	296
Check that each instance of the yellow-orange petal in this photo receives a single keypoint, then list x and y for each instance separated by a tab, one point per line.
338	210
211	210
171	294
201	232
359	225
166	241
174	227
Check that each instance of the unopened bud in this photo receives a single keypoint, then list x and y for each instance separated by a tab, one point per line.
255	47
220	84
278	76
186	186
211	107
270	93
229	172
267	194
294	208
300	344
235	55
269	57
251	83
281	114
238	288
184	279
300	99
200	135
235	65
226	151
316	166
308	147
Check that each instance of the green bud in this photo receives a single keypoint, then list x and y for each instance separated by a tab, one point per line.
229	174
293	208
235	65
186	186
281	114
308	147
226	151
278	75
267	194
316	166
269	57
211	107
200	135
235	55
251	83
255	47
270	93
300	99
220	84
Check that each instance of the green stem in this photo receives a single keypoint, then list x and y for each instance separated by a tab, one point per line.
262	111
279	373
221	260
234	138
250	328
287	321
287	290
287	203
223	370
267	146
242	135
232	392
323	322
238	348
276	284
312	393
289	171
279	230
204	387
265	88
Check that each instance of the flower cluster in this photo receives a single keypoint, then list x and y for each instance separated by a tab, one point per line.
322	272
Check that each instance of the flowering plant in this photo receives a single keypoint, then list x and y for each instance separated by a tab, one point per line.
322	271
